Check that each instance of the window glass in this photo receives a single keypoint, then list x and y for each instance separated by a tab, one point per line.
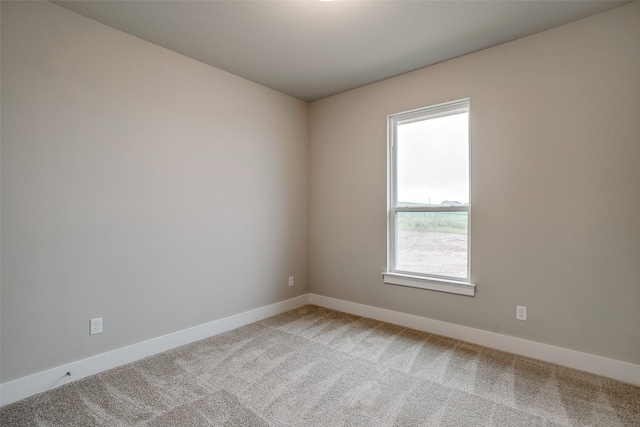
432	243
433	161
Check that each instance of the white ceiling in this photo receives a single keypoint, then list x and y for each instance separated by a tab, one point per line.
311	49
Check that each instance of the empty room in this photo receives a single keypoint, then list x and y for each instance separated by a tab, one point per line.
320	213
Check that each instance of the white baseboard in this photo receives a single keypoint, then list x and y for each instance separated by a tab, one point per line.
21	388
611	368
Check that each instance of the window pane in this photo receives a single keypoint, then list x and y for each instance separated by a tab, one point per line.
433	161
432	243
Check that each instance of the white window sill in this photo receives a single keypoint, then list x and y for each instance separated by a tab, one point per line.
442	285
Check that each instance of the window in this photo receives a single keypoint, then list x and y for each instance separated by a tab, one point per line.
428	218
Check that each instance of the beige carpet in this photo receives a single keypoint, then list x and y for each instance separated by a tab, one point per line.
318	367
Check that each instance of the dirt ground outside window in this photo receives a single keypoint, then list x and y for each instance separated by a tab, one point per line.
432	252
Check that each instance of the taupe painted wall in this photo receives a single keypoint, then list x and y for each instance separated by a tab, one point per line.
555	225
139	186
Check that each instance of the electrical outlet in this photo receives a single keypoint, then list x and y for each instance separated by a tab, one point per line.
290	280
95	326
521	313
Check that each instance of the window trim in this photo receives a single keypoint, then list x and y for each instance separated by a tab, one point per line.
393	276
430	283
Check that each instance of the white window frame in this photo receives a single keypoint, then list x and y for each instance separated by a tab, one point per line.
414	279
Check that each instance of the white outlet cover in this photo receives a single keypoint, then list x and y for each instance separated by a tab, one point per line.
521	313
95	326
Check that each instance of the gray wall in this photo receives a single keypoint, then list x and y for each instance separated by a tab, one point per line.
139	186
555	137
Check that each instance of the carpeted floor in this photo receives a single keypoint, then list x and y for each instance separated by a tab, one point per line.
318	367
